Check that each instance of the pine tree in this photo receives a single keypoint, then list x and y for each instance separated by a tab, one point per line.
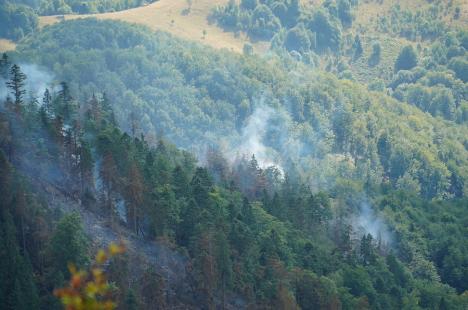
17	287
66	108
180	182
108	110
86	166
407	59
205	266
368	255
47	101
4	66
153	290
357	46
16	84
135	189
95	109
224	264
165	212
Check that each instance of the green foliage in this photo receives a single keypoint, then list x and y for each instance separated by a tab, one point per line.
68	244
417	226
460	67
246	229
18	288
163	94
327	31
436	85
357	46
298	39
16	20
306	29
16	84
407	59
425	23
374	58
344	12
313	292
263	23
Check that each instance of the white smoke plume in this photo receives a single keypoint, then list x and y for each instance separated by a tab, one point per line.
37	80
272	136
368	222
253	134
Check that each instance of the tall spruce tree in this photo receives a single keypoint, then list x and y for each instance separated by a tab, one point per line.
4	66
16	84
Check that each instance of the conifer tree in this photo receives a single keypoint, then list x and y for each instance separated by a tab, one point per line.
4	66
357	45
16	84
66	102
135	194
153	290
17	287
47	101
407	59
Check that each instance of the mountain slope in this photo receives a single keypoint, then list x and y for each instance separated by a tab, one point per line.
271	241
274	182
193	94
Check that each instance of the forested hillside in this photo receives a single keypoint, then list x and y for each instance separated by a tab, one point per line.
330	172
323	127
270	241
421	61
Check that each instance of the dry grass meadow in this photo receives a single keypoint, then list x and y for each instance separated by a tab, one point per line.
6	45
173	16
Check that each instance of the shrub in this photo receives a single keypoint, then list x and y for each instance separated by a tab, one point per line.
407	59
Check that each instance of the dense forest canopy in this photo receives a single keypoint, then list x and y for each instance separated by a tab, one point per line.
272	241
329	173
310	32
335	128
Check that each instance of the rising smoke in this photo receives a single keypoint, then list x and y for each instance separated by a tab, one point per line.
270	135
368	222
253	135
37	80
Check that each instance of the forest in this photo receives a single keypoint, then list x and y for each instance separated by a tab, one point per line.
329	173
19	18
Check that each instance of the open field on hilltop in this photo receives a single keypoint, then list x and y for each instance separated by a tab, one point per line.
6	45
365	72
173	16
369	10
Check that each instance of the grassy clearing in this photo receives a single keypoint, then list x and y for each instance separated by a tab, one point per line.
175	17
365	24
369	10
366	72
7	45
